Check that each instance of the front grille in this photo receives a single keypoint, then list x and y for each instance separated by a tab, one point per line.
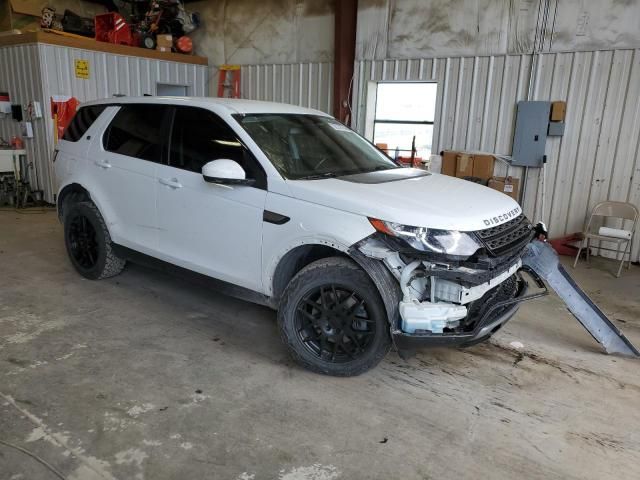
503	238
493	231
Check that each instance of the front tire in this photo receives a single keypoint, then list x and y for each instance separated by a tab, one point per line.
88	242
332	319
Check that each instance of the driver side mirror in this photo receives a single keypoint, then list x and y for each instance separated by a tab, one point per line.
225	172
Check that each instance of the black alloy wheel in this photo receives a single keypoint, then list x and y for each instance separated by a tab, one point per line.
88	242
332	318
83	244
333	323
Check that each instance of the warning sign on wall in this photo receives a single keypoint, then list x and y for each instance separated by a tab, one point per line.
82	69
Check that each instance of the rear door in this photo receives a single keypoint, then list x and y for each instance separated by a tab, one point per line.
125	161
210	228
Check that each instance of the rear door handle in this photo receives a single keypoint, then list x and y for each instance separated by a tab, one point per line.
102	163
170	182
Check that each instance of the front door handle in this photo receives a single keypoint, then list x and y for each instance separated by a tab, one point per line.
171	182
102	163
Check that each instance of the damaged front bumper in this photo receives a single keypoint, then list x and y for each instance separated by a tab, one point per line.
493	318
452	302
438	304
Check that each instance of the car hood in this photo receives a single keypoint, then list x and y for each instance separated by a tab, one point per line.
432	200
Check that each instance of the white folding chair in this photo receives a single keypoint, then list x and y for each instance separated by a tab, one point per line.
621	210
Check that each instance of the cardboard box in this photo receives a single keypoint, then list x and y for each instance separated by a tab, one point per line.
384	147
464	165
448	166
163	49
22	15
164	40
483	166
507	185
558	111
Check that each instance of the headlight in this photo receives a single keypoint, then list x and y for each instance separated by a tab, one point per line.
445	242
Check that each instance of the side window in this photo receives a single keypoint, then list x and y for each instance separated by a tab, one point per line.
81	122
199	136
136	131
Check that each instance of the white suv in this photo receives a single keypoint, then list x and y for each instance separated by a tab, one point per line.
287	207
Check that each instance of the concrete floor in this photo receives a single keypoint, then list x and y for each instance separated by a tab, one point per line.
145	376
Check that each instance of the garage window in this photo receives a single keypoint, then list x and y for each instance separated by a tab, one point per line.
404	111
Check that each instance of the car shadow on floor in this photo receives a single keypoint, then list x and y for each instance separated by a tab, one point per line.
223	319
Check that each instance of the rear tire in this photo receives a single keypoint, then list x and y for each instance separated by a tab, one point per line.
88	242
332	319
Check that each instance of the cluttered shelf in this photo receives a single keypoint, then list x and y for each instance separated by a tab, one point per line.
156	29
90	44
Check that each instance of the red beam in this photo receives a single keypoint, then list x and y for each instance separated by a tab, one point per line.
344	57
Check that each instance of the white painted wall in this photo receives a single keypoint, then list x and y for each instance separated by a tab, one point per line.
265	31
427	28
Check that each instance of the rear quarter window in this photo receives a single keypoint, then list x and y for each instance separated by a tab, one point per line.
81	122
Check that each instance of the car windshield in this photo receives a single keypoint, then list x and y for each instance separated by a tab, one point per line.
312	146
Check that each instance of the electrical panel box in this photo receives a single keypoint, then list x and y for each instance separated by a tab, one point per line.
532	123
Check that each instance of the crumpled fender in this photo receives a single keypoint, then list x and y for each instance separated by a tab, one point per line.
385	282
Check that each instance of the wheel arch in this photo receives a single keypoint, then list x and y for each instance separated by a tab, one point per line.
295	260
73	192
299	257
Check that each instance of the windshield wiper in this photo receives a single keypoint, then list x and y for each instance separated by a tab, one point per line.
379	168
382	167
318	176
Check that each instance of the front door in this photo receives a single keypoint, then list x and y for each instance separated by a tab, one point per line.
210	228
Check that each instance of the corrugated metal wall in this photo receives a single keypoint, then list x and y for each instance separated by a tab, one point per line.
36	72
305	84
20	77
114	74
596	159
